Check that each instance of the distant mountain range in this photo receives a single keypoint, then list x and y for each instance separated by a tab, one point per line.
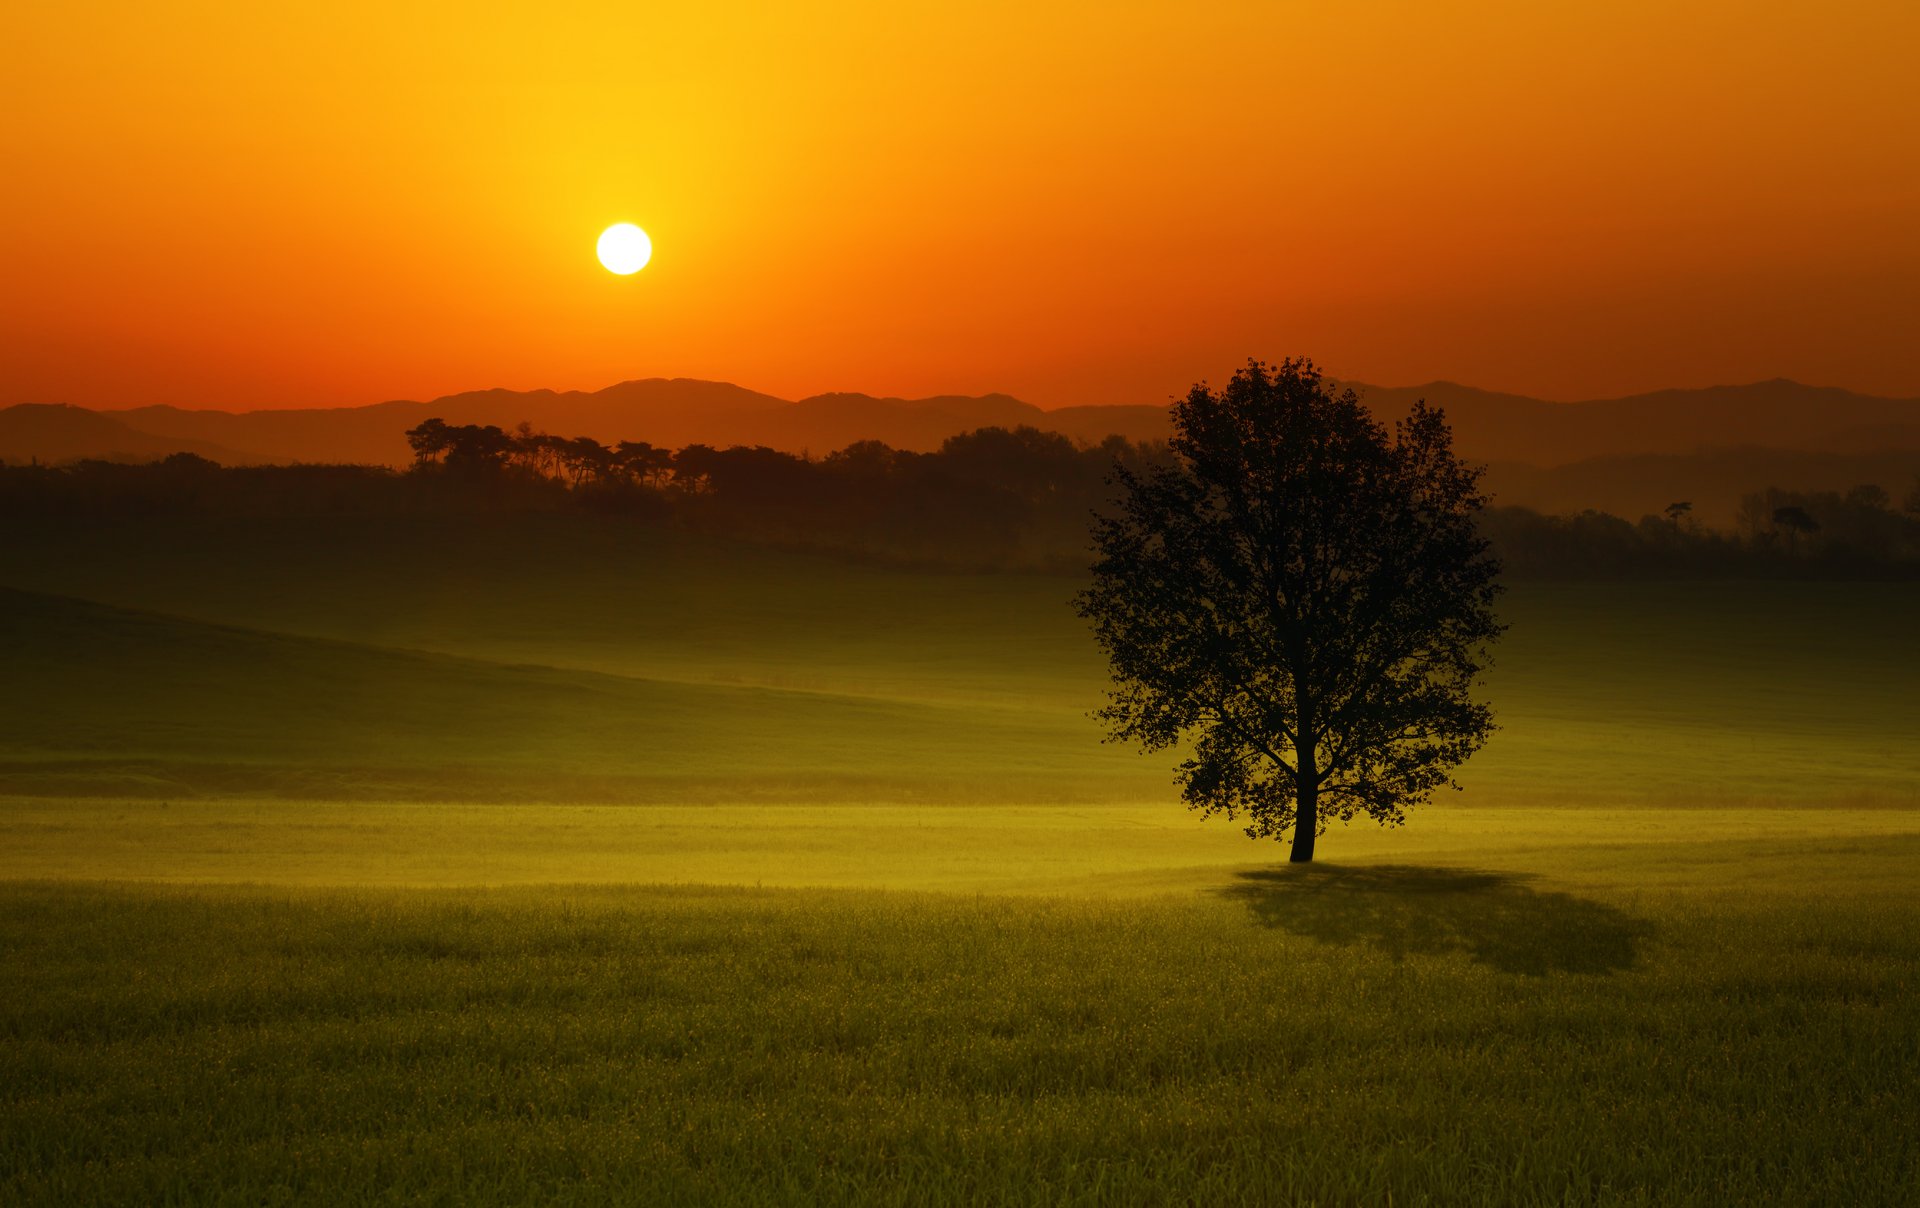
666	411
1658	441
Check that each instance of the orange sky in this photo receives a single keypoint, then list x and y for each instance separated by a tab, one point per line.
244	204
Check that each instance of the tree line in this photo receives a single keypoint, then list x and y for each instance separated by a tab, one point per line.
994	497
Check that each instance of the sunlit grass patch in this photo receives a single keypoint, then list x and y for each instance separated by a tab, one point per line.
1438	1034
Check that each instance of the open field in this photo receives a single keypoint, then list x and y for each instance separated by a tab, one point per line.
1114	850
1652	1010
550	659
596	865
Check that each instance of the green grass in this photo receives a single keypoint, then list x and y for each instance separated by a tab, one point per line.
1125	850
135	703
579	593
1350	1034
562	862
554	658
960	1004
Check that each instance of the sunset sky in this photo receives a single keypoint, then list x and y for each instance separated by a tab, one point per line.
247	205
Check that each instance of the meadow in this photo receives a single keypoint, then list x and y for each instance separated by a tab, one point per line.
551	862
546	658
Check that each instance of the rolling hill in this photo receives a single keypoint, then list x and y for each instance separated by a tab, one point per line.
1778	414
541	658
53	433
147	704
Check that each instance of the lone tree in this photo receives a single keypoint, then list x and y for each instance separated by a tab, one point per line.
1302	598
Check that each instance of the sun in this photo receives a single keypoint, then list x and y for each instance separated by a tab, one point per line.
624	248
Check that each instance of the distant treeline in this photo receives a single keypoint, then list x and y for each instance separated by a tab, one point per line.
993	497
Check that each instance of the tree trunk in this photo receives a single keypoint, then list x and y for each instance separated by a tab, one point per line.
1306	814
1306	774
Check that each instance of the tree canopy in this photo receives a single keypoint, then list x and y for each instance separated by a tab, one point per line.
1301	598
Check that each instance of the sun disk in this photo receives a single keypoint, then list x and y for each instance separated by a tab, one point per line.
624	248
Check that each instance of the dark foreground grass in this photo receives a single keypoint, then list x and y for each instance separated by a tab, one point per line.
1366	1035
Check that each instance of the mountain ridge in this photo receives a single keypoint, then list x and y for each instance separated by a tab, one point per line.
1489	426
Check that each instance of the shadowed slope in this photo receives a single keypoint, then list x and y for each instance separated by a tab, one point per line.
120	701
1676	694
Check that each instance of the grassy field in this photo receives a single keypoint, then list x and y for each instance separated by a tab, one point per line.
572	863
1679	1017
550	659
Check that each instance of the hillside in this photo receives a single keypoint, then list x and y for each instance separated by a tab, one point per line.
52	433
148	704
543	658
1713	480
1772	415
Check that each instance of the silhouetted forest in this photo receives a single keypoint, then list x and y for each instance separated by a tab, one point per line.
993	497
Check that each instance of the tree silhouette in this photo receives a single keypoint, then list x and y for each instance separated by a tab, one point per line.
642	462
1794	521
1304	599
1868	497
429	441
464	448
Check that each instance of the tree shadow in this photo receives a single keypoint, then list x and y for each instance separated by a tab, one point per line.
1494	918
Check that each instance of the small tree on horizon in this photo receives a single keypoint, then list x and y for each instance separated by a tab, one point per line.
1794	521
1302	599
